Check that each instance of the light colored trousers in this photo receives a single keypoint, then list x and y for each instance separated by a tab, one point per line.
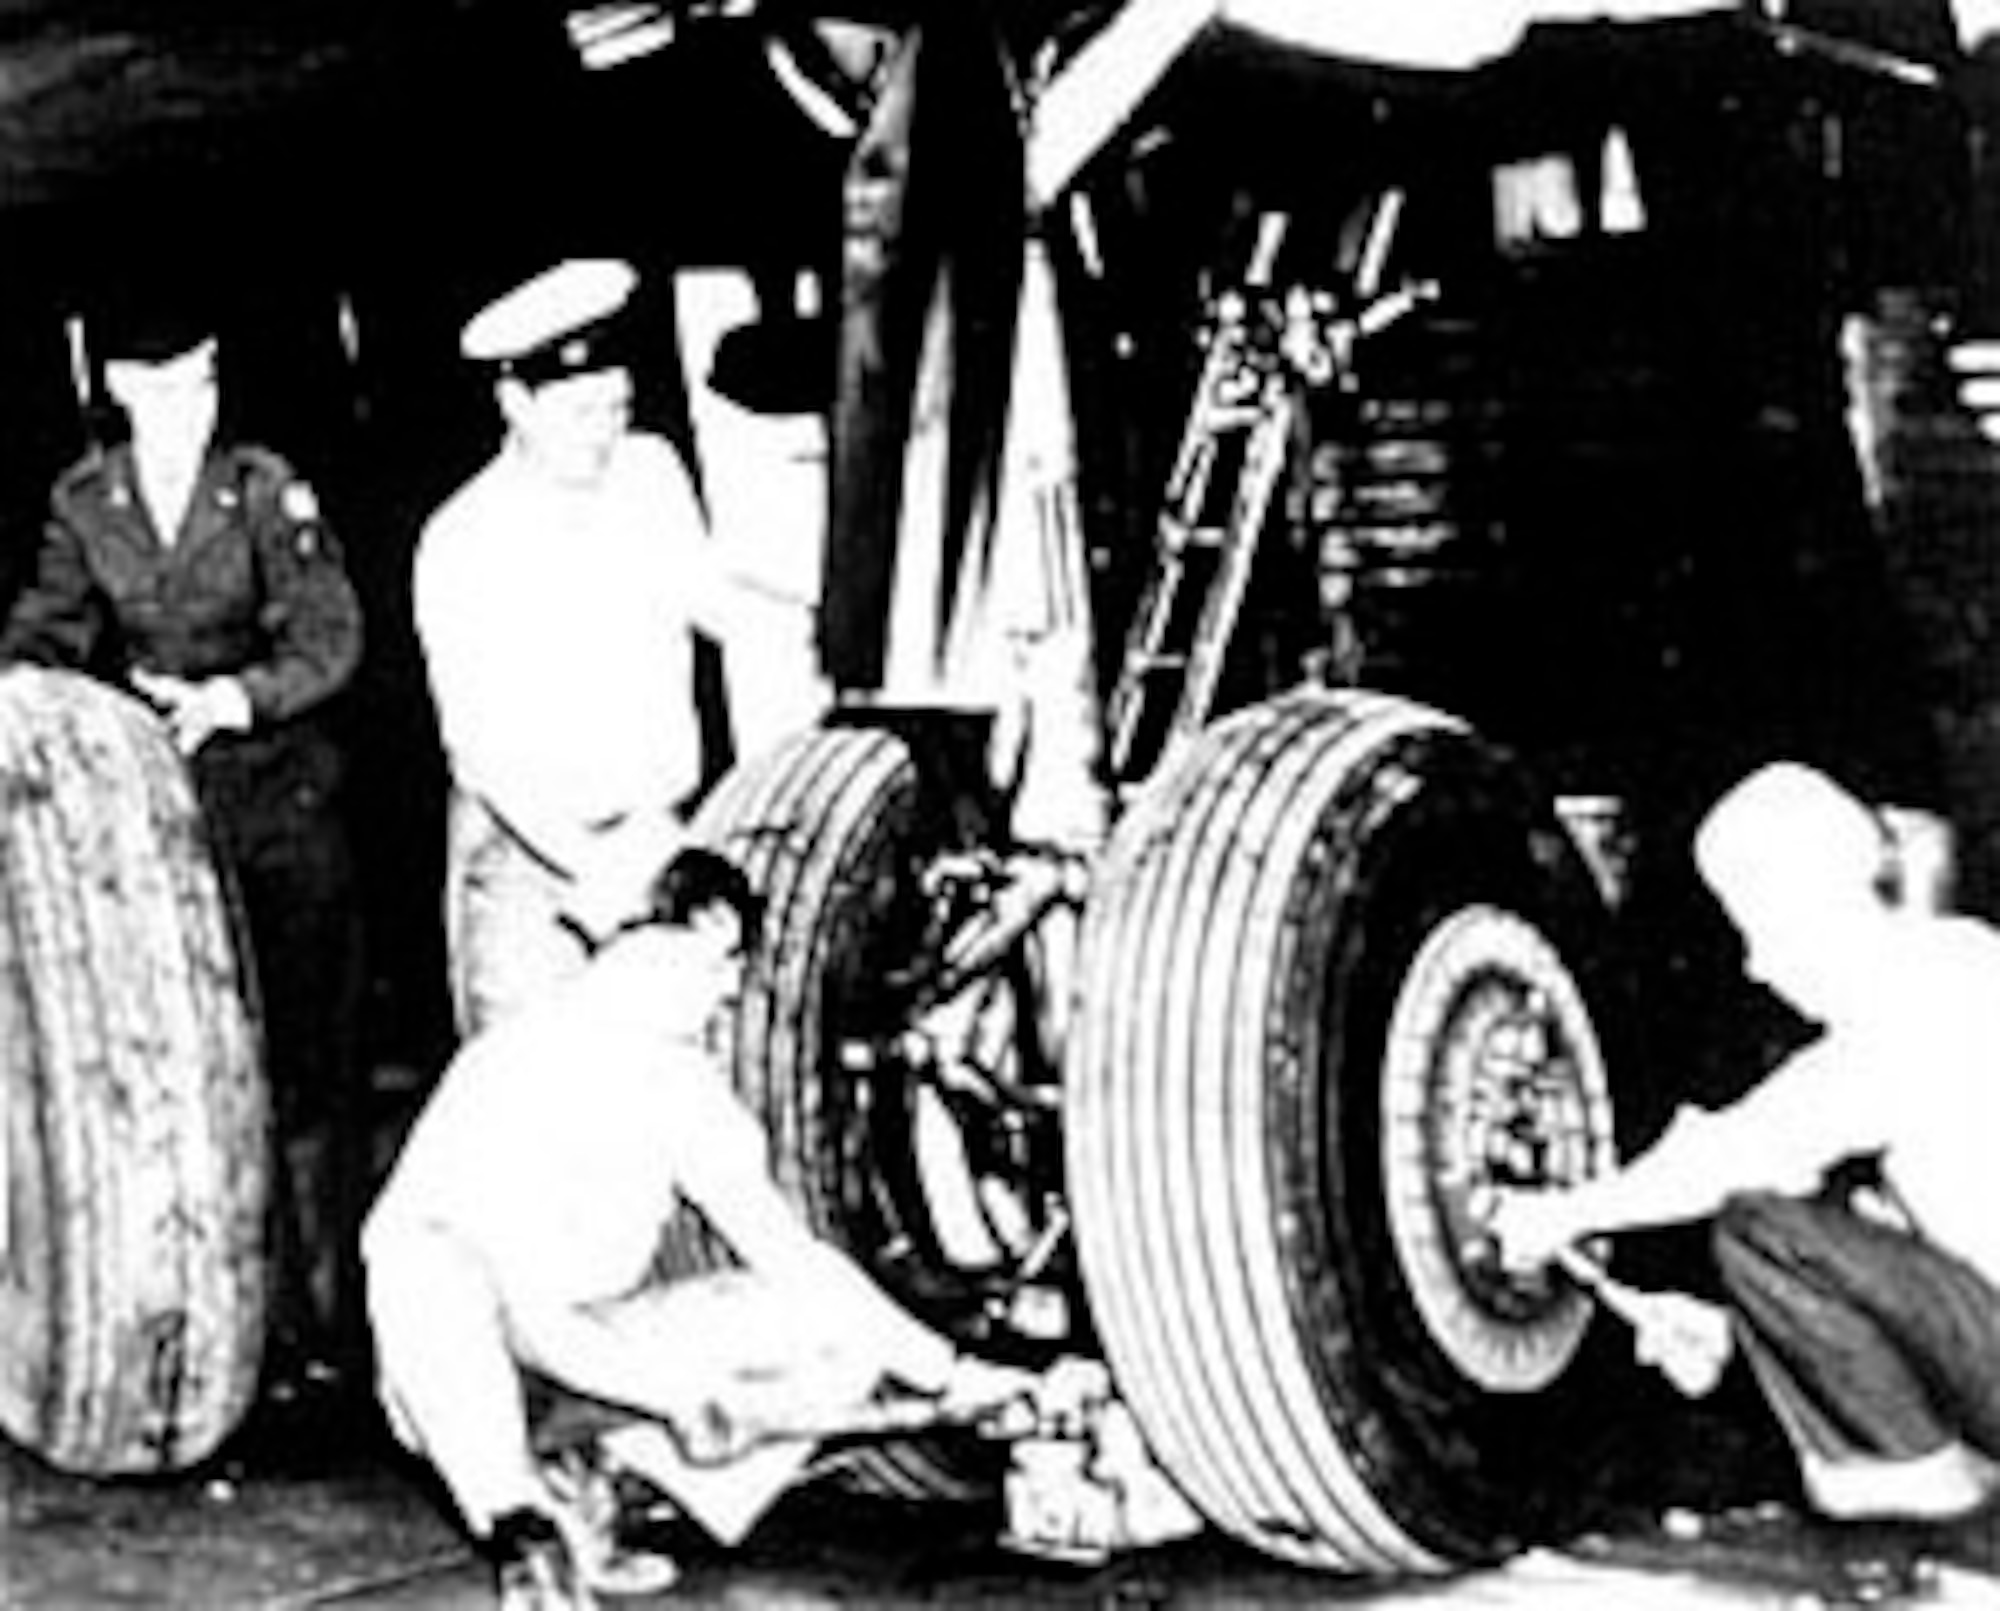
453	1366
505	938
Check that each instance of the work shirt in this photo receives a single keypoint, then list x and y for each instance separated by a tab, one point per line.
555	623
560	1141
252	585
1912	1071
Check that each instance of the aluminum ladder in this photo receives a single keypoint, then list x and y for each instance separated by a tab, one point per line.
1226	470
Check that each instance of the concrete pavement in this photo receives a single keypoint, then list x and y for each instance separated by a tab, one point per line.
318	1510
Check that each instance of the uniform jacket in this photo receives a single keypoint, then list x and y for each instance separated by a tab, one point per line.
253	588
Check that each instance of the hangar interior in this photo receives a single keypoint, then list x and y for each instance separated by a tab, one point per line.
1625	431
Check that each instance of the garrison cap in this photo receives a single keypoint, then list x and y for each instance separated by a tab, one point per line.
561	322
149	323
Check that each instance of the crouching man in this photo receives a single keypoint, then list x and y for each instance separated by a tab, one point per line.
514	1244
1870	1314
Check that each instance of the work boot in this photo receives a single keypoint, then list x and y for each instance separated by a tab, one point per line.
533	1567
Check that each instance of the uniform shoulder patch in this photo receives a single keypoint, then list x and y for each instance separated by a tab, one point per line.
299	502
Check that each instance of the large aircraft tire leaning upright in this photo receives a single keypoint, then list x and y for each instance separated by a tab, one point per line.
134	1167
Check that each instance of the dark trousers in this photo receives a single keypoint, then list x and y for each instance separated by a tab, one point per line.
1870	1342
269	803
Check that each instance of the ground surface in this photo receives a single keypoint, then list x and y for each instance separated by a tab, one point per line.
317	1510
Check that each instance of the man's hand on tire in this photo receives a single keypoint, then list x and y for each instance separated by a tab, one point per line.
195	711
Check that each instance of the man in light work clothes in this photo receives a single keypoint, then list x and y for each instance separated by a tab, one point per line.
517	1237
1868	1309
556	594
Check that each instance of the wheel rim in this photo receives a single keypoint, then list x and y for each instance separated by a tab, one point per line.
950	1124
1492	1077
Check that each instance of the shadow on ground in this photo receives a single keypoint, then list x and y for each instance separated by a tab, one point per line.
311	1506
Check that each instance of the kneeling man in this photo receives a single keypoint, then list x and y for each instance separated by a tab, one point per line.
517	1235
1870	1312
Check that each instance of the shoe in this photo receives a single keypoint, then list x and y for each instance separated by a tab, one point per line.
1946	1484
310	1420
532	1565
588	1510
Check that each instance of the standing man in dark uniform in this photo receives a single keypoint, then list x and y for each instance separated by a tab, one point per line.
199	573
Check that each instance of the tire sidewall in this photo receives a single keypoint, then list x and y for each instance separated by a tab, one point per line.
1397	862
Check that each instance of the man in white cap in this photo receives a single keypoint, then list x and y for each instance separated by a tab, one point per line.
1869	1312
555	595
